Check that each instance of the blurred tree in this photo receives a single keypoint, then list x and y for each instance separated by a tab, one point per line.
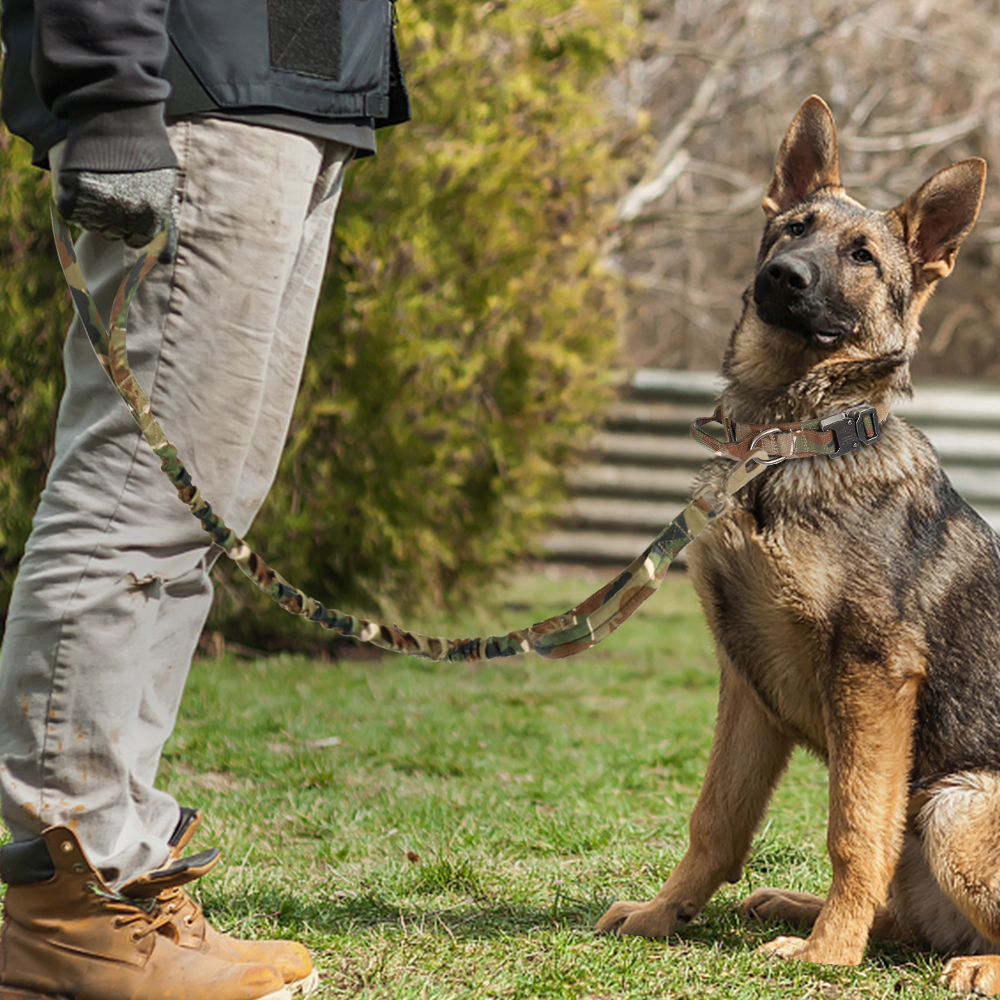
34	313
462	349
464	344
913	88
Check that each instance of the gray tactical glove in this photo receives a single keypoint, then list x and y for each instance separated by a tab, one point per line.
127	206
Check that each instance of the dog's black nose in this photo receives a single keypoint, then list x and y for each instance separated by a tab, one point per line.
784	276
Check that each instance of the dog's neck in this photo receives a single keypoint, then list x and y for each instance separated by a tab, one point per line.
751	396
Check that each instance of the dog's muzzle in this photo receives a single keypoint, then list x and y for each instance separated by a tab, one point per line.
786	293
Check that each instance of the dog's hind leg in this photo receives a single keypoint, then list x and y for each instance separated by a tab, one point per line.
782	906
749	754
959	832
803	908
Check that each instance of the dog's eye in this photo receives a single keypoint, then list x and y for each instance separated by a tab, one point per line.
796	228
862	255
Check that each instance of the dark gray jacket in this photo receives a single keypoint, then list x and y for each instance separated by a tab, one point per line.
105	75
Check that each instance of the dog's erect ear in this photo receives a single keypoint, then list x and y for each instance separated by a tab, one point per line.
940	214
807	159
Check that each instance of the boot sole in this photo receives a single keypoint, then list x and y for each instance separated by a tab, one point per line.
301	988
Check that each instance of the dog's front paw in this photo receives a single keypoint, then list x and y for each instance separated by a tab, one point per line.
766	905
973	974
786	947
822	951
648	920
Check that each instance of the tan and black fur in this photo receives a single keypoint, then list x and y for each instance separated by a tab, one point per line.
855	601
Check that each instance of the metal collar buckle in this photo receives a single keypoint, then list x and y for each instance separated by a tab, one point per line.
853	428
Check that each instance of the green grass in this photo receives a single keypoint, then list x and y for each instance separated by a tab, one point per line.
439	831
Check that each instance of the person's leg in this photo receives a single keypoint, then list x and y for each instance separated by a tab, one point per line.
113	589
254	423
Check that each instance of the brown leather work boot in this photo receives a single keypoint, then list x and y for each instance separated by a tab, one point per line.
192	930
290	958
67	935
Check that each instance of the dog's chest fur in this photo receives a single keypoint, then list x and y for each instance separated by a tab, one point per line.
863	561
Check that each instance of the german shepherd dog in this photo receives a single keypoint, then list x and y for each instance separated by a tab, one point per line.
855	601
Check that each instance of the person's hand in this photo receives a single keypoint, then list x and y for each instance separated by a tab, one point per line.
128	206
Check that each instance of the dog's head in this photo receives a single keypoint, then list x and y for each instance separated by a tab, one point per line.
833	312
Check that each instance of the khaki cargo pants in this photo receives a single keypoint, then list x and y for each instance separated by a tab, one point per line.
114	589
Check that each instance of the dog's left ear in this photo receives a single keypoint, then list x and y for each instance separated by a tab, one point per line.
807	159
940	214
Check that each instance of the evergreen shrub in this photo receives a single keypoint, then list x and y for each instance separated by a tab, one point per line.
34	313
465	343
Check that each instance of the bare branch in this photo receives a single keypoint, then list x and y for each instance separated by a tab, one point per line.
913	88
662	170
938	136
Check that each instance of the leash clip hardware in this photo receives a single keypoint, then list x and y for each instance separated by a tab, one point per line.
851	429
716	498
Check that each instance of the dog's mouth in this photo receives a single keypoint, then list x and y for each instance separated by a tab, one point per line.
801	320
821	339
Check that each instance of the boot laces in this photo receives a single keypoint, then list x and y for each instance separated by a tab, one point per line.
178	902
147	914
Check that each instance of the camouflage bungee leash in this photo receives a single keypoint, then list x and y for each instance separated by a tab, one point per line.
564	635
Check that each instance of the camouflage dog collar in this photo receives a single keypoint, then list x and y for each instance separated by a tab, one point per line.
579	628
838	434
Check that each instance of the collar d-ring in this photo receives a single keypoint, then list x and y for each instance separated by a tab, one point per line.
764	433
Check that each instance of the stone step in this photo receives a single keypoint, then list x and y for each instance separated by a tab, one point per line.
644	517
655	418
934	403
644	463
613	548
630	516
971	446
967	446
628	448
618	531
978	486
635	482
